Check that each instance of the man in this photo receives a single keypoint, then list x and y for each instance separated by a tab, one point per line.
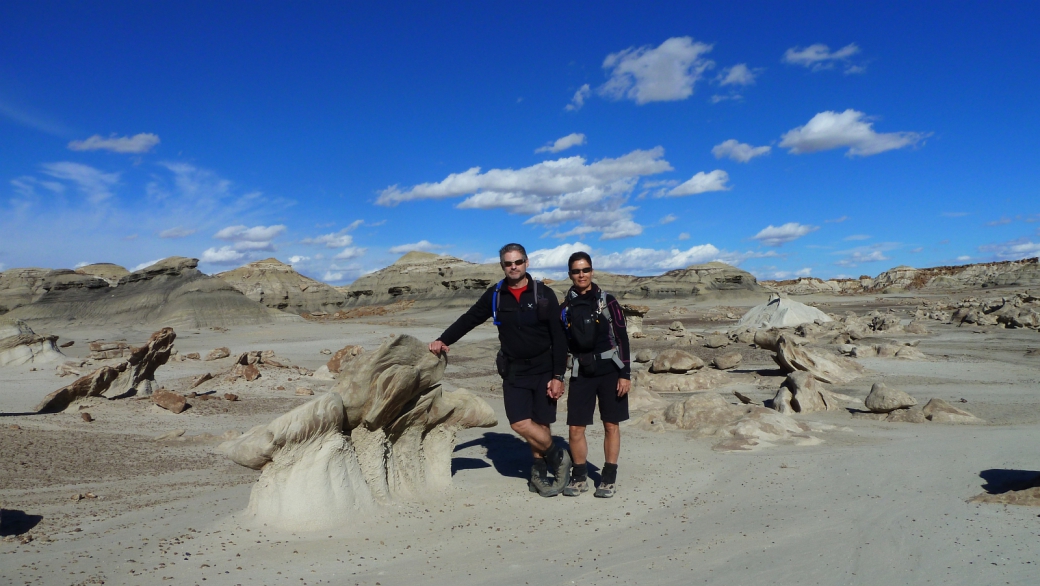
532	361
600	370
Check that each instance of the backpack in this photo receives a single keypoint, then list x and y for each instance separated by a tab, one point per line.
541	305
581	319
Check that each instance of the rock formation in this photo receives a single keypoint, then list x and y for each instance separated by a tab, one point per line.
171	292
825	367
386	432
110	273
780	312
20	345
675	361
939	411
800	393
134	375
276	285
884	399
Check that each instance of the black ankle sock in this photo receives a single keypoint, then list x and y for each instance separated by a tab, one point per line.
553	454
609	475
579	472
541	467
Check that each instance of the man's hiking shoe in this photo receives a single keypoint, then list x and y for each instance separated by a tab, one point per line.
561	467
576	487
604	491
543	486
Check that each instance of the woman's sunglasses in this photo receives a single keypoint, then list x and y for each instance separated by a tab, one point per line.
513	263
583	271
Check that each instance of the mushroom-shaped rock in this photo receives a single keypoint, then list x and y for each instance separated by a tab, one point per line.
135	375
800	393
827	368
386	432
727	360
677	361
884	399
939	411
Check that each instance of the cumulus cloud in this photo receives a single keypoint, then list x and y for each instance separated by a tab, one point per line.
350	252
332	277
177	232
700	183
562	144
334	240
136	144
662	74
738	75
296	259
858	257
779	235
640	260
772	273
553	193
255	238
1013	250
422	245
579	98
738	151
221	256
93	183
668	219
819	57
832	130
683	236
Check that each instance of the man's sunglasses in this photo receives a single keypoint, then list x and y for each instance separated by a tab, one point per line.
583	271
513	263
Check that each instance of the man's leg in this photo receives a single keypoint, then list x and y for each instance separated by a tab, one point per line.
538	435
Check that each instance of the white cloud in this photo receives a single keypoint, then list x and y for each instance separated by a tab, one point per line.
579	98
1013	250
819	57
700	183
335	240
222	255
857	257
779	235
852	129
555	258
562	144
684	236
739	74
82	264
837	220
177	232
553	193
665	73
96	185
139	143
255	238
668	219
296	259
772	273
715	99
738	151
963	258
350	252
332	277
640	260
192	184
422	245
145	265
857	237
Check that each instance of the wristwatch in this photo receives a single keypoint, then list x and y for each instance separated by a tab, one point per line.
558	377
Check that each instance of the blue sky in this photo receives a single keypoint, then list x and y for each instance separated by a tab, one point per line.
793	138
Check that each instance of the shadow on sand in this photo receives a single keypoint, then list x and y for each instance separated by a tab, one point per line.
17	522
1002	480
508	454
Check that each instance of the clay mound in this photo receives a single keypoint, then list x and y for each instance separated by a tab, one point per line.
171	292
20	345
781	313
111	273
275	284
19	287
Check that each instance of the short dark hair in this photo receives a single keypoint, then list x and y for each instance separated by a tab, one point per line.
580	255
511	247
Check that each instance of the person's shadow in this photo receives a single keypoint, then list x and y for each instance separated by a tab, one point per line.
1001	480
509	454
14	522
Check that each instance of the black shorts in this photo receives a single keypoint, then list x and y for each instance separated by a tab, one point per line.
582	395
526	398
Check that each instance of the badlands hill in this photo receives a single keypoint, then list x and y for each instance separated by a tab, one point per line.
1015	273
171	292
276	285
425	277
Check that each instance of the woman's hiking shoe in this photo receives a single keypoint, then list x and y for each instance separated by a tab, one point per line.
604	491
576	487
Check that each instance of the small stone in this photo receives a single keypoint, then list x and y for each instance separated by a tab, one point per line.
230	396
676	361
716	341
677	326
200	379
304	391
279	388
326	351
219	353
644	355
68	344
86	417
192	356
90	495
76	497
169	400
14	427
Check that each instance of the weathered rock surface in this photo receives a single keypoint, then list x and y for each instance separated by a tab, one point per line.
883	399
110	273
169	400
644	355
276	285
701	380
939	411
675	361
780	312
385	433
171	292
827	368
134	375
728	360
218	353
716	341
20	345
801	393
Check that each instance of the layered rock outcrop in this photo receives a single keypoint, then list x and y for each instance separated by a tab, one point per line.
20	345
275	284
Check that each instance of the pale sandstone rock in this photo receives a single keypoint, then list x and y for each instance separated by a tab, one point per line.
701	380
716	341
675	361
218	353
276	285
135	375
303	391
385	433
676	326
728	360
20	345
801	393
883	399
939	411
825	367
342	357
645	355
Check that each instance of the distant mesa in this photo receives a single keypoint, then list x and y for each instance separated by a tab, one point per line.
104	270
276	285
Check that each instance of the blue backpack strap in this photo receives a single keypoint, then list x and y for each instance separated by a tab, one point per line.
494	303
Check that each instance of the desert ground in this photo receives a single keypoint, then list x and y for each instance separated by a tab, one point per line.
860	501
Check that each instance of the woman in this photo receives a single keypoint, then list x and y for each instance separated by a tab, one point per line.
600	372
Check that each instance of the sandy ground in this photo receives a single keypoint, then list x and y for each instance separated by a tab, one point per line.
874	503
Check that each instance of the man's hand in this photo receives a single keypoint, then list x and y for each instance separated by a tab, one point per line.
623	386
438	347
555	389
